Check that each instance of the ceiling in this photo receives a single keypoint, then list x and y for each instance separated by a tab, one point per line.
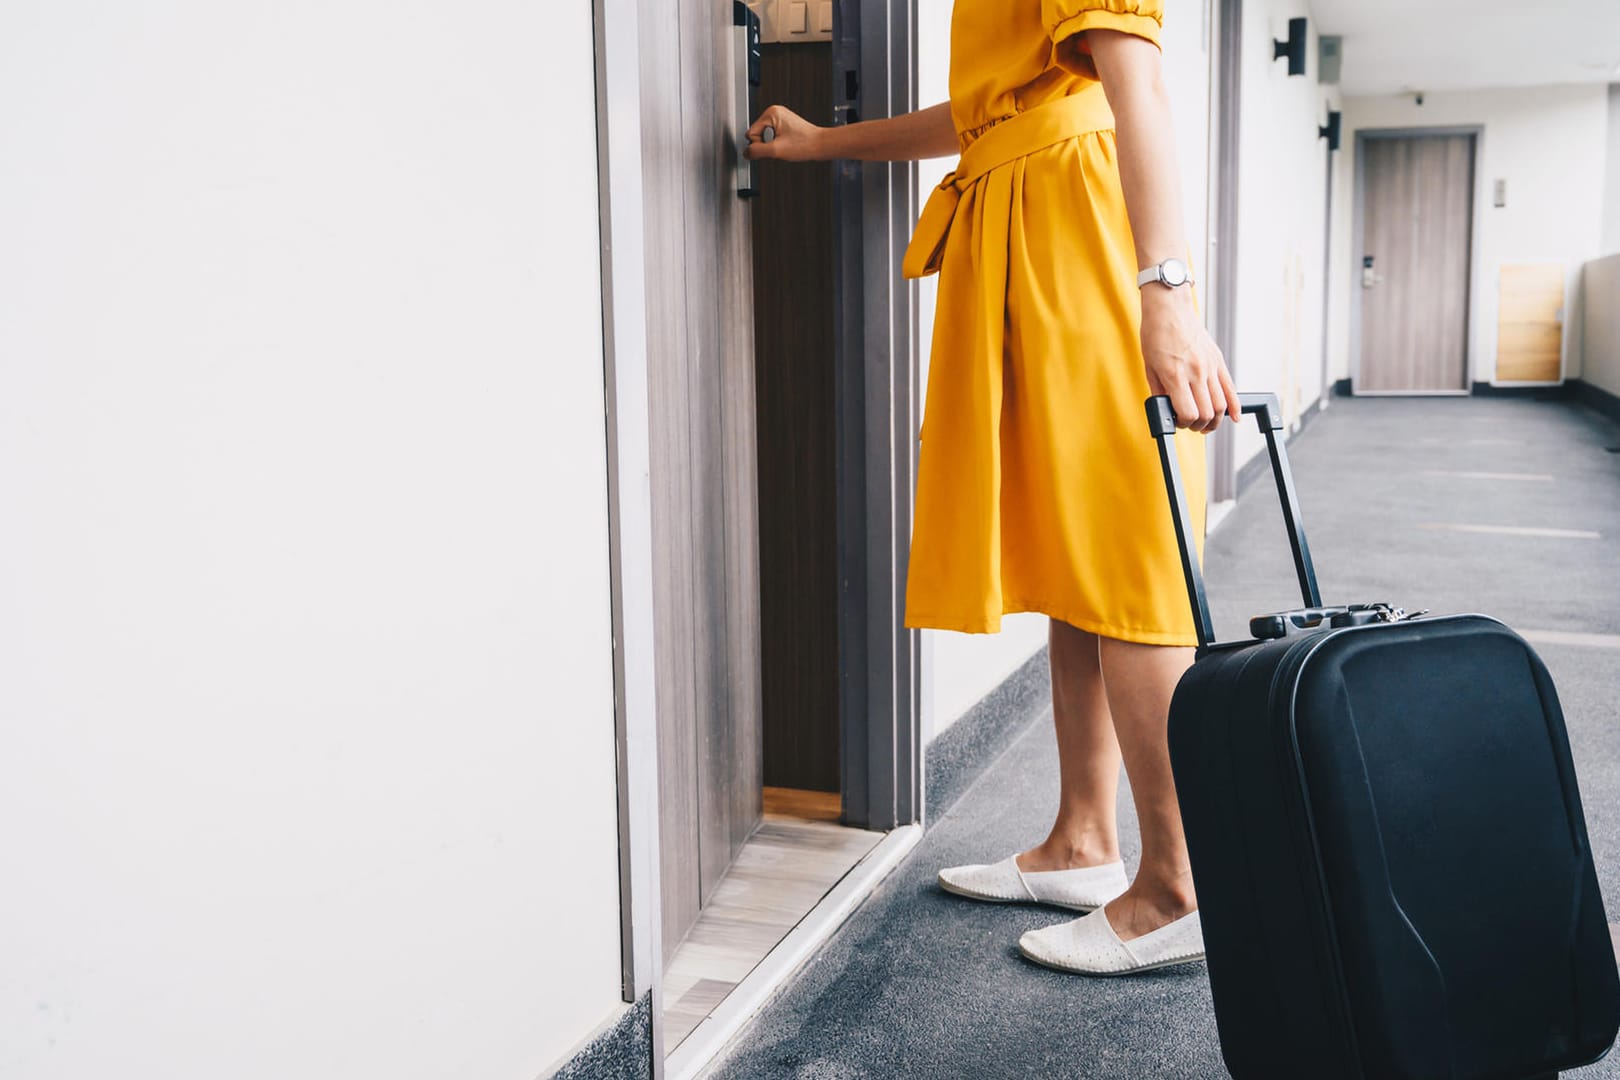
1392	46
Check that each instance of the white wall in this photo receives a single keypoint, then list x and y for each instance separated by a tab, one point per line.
1611	173
959	669
1550	145
306	741
1187	62
1600	287
1282	219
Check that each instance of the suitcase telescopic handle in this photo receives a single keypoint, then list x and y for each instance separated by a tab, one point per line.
1162	423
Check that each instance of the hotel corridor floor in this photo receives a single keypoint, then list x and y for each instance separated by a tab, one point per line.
1508	506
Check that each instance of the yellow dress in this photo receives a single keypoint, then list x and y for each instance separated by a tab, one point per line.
1038	486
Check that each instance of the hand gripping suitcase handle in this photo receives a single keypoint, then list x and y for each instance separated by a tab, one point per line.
1162	424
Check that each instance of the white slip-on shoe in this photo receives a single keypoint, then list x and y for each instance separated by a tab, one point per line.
1089	946
1080	889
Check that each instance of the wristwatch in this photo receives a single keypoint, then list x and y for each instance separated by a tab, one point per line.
1170	273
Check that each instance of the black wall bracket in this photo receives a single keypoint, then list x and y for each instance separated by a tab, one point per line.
1330	130
1293	48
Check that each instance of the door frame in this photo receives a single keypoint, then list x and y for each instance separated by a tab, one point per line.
1358	244
876	388
620	209
878	403
1225	117
1328	230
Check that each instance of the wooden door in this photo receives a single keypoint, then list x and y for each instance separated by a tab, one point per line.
1415	256
1530	323
700	360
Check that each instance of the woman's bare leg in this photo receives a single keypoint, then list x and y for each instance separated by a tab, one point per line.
1139	680
1085	832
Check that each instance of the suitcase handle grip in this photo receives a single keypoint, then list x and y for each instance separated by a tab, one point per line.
1162	425
1282	623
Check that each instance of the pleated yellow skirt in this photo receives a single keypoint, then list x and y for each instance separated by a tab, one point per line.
1039	488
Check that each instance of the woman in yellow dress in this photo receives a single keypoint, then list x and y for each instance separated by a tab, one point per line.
1063	303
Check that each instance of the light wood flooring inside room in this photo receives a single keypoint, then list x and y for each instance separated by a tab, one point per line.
798	853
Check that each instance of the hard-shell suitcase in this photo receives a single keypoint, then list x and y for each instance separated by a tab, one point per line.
1387	841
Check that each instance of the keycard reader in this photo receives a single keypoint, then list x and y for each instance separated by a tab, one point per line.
745	55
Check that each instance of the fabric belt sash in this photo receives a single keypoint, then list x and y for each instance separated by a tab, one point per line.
1015	137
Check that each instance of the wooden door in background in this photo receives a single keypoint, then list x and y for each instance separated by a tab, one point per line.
1530	323
1418	207
700	362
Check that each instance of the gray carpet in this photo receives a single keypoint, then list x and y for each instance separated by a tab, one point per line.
922	984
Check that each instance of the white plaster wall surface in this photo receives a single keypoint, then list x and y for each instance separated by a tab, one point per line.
1396	45
1549	144
962	668
1600	286
1611	174
966	667
1282	219
306	738
1187	62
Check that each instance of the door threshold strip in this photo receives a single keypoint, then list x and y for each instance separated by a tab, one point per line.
773	973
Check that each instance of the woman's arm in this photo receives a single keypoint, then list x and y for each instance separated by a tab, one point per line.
1182	360
925	133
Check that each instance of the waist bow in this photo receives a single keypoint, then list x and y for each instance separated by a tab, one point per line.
1015	137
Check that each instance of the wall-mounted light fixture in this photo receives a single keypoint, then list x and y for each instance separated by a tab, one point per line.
1330	130
1293	48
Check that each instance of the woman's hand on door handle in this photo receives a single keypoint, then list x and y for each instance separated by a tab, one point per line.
796	139
926	133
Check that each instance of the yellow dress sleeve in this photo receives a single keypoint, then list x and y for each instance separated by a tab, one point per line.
1067	20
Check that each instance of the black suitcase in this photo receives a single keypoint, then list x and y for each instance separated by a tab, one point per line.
1386	837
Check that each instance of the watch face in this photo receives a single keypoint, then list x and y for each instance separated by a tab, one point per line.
1174	272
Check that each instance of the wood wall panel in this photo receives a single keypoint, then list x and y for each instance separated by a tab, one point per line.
1530	323
703	131
721	420
673	608
700	363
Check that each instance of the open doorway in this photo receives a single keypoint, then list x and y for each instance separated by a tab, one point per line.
794	277
782	386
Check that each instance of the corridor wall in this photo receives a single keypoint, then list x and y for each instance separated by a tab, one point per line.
306	710
1611	175
1600	323
1282	219
1548	144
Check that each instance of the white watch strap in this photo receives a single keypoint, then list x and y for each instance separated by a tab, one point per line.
1151	274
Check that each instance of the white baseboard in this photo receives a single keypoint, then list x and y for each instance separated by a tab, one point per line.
1216	512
